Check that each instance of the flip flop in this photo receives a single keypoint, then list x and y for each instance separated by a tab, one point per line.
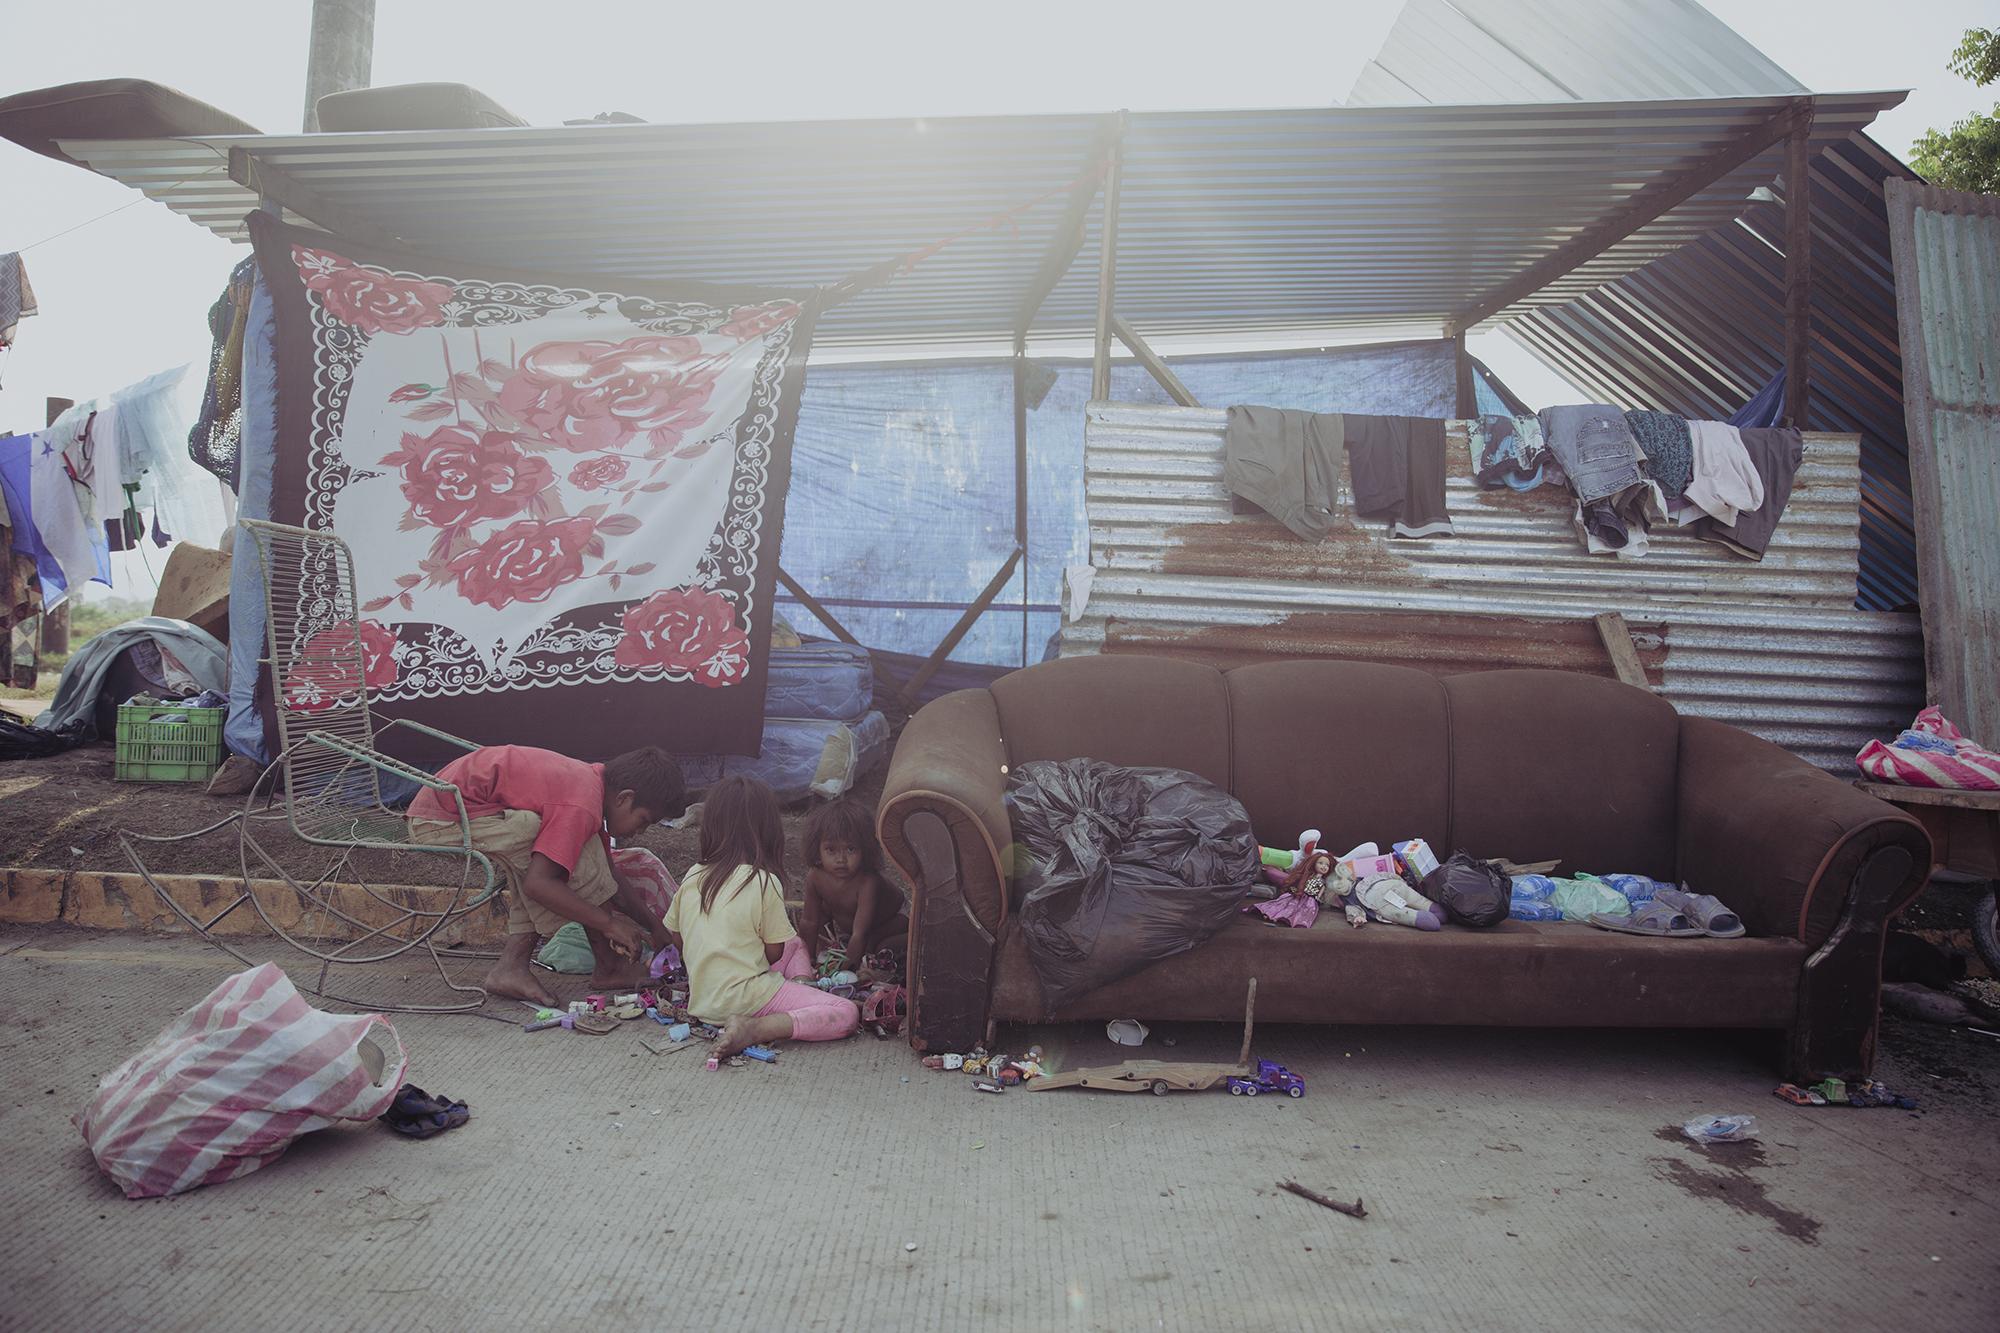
1705	911
1653	918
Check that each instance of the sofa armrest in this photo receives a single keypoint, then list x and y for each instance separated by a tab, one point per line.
1780	841
943	821
1798	852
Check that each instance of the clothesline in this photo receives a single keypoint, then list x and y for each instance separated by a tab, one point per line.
140	199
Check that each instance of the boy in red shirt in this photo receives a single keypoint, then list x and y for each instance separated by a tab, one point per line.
542	819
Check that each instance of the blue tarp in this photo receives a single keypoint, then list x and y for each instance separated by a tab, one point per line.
902	499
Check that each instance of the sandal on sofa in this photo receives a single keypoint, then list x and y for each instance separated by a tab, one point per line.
1705	910
1653	918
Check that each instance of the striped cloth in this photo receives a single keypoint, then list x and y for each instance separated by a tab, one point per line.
1932	753
231	1082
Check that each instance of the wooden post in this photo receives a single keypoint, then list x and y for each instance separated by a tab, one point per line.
1617	636
342	53
1798	265
1107	270
1154	364
1021	479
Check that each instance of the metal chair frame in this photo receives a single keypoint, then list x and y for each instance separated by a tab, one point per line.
329	773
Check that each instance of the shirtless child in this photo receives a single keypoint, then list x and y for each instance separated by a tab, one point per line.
849	906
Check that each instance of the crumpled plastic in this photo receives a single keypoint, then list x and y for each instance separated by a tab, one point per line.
1471	892
1124	867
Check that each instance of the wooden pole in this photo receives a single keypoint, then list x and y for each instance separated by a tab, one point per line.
1154	364
1798	266
1107	270
342	52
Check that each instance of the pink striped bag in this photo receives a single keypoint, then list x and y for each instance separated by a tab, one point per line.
231	1082
1932	753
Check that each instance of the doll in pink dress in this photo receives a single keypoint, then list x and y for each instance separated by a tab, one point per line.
1306	887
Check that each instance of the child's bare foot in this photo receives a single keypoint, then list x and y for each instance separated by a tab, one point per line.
515	982
740	1032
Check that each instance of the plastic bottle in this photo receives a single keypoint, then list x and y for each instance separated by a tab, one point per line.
1721	1128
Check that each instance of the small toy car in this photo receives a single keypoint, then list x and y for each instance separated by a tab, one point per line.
1271	1077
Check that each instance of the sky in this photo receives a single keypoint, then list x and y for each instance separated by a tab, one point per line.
127	294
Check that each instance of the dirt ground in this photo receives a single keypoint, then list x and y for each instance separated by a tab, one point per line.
1512	1179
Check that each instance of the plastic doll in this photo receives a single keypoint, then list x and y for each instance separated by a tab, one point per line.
1305	888
1389	898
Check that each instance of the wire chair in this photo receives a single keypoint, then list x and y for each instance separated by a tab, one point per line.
330	776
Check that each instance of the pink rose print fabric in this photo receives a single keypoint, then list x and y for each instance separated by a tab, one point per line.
564	505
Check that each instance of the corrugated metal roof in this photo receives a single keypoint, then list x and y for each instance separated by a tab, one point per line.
1699	331
1775	647
1562	51
1947	248
1231	221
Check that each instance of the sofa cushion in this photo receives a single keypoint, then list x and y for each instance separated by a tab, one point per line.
1552	764
1358	750
1519	973
1137	711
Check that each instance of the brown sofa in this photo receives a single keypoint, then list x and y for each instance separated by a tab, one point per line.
1529	765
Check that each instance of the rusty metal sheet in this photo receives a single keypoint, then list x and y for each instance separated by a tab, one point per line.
1775	647
1947	248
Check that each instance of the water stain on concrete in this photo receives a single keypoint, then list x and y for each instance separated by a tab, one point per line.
1732	1184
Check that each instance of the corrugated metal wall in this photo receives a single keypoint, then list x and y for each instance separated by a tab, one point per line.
1776	647
1947	248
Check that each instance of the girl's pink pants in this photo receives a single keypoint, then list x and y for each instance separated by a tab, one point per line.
816	1016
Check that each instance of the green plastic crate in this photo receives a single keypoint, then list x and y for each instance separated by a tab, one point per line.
150	751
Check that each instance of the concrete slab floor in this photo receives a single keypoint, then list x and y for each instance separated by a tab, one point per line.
1512	1179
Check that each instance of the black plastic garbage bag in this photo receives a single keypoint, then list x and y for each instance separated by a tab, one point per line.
1471	892
1123	867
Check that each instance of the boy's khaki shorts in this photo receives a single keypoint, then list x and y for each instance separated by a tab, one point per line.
508	839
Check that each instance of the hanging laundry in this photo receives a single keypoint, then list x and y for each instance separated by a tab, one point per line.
1725	481
1775	453
216	440
1397	466
17	298
1595	447
1665	441
36	567
1510	451
61	468
1286	463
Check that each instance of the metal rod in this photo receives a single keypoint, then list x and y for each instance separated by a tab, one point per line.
814	605
1021	479
1107	269
1798	266
1069	235
958	631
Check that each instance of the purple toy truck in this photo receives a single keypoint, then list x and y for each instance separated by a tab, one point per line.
1271	1077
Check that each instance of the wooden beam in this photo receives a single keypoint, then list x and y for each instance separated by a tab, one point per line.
1617	636
1798	267
813	604
1069	234
1646	207
958	631
275	186
1150	359
1107	269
